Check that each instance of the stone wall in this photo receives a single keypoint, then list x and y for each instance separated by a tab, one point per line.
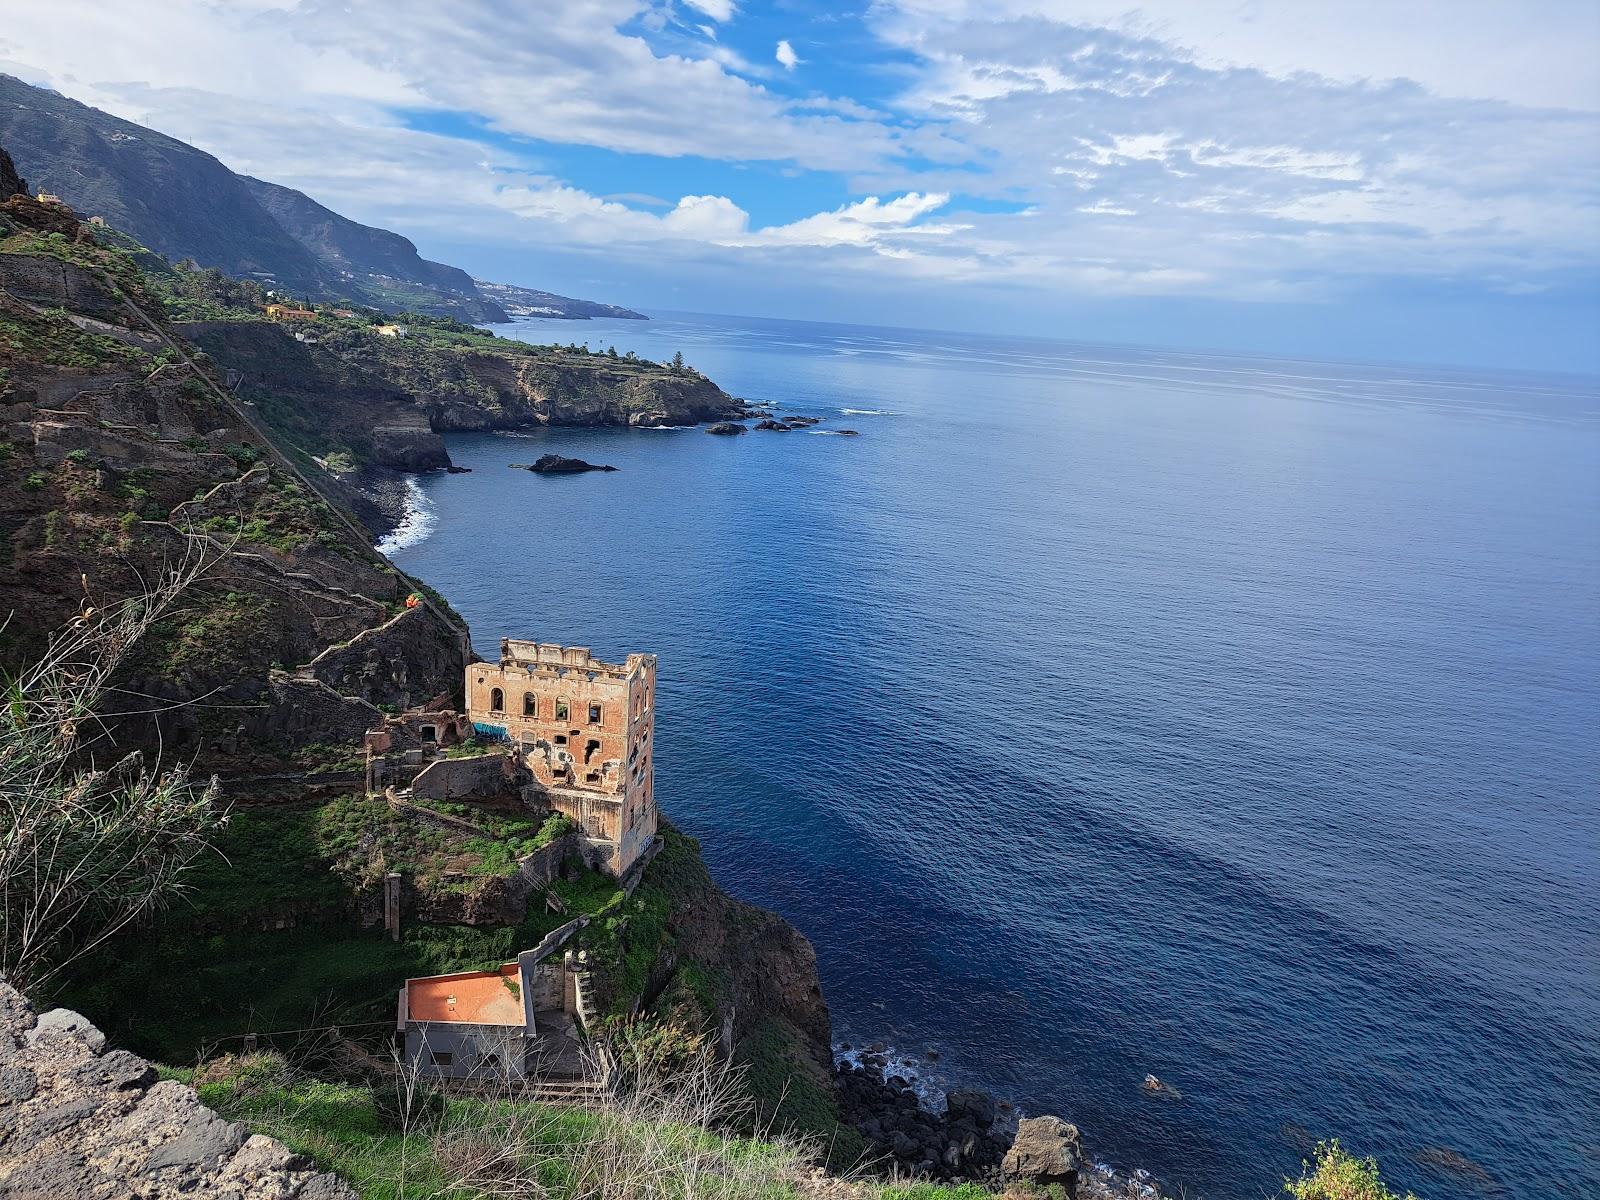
485	777
78	1121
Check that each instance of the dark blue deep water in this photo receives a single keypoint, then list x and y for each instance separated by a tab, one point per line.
1099	712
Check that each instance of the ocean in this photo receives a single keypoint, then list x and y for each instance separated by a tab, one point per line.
1102	711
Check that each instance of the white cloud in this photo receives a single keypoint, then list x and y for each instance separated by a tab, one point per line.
864	223
1476	49
717	10
563	73
708	218
1140	160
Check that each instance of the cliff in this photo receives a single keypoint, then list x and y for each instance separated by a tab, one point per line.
123	454
378	404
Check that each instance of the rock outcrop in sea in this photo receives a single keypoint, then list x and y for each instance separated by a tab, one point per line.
559	464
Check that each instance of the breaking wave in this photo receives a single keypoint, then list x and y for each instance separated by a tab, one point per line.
420	520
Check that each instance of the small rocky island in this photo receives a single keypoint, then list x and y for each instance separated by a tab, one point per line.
557	464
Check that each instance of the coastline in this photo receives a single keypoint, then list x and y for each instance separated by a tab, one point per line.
1098	1179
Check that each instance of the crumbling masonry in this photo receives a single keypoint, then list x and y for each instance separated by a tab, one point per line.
582	728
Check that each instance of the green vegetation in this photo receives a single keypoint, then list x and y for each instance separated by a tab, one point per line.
284	516
216	634
87	852
789	1095
268	936
206	294
118	261
662	1139
50	339
1333	1173
364	838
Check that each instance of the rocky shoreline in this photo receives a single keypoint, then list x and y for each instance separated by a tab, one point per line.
967	1135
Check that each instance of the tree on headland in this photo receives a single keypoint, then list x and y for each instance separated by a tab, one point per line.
85	849
677	360
1333	1173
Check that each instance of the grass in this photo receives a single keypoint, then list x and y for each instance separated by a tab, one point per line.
217	634
269	935
657	1140
283	516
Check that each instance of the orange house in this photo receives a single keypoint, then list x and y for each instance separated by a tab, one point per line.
284	312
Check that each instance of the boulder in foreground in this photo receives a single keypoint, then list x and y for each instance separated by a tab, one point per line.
77	1120
1046	1150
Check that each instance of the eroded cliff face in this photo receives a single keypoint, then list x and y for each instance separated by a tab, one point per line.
740	976
519	391
386	399
124	456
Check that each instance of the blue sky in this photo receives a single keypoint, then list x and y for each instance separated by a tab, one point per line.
1337	178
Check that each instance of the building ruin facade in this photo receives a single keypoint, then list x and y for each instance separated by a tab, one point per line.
583	729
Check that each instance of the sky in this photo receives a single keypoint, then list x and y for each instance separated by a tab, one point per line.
1413	181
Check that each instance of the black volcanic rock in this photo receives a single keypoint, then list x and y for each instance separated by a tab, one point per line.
556	464
10	182
777	426
726	428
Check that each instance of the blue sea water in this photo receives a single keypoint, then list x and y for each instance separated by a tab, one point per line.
1098	712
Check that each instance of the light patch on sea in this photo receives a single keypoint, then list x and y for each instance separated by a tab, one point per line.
419	521
866	412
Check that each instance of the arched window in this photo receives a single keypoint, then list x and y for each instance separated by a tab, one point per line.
497	700
530	704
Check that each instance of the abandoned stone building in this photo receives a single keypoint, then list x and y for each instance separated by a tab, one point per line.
517	1022
582	728
406	742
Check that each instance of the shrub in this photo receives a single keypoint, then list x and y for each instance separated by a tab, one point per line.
88	851
1333	1173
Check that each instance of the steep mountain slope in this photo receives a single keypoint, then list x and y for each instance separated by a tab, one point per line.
184	204
363	252
121	454
178	201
